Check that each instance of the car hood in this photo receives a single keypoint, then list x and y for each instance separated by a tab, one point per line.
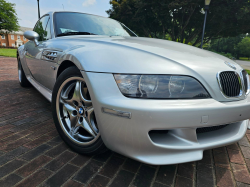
136	55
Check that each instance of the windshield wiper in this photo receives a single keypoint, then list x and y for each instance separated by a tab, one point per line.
75	33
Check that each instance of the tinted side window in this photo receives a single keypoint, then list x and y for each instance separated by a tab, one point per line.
40	27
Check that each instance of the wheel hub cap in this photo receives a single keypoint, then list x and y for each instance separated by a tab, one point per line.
81	111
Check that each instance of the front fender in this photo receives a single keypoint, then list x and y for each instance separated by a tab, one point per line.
73	56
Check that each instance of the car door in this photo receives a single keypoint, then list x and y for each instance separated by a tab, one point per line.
40	58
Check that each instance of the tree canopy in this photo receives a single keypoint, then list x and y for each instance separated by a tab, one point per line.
227	45
244	47
182	20
8	17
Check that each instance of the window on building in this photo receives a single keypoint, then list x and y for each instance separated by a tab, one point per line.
24	39
12	37
18	37
4	44
13	45
3	36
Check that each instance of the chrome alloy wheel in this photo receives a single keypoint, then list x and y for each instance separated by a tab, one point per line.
19	72
75	111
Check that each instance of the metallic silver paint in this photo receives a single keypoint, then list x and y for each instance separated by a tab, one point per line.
40	67
33	36
231	65
44	91
181	117
99	56
106	54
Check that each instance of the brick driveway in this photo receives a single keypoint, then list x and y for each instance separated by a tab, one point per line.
32	153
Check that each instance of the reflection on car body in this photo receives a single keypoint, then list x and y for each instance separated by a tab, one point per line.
156	101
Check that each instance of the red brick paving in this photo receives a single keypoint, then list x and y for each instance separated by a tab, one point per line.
32	153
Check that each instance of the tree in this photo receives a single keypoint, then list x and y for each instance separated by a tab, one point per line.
182	20
8	17
227	45
244	47
39	29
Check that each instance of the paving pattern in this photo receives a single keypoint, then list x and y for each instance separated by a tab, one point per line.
32	153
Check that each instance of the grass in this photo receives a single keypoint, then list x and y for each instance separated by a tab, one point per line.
248	71
8	52
244	58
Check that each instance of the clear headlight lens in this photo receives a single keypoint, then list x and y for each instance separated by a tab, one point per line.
160	87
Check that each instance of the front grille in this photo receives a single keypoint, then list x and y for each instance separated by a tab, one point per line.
245	78
209	129
230	83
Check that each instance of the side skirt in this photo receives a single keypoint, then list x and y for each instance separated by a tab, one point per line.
44	91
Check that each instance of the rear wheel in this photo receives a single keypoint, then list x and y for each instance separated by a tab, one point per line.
21	75
74	115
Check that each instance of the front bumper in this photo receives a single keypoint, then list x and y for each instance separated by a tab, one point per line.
181	118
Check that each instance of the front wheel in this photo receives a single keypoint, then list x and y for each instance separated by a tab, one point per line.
74	115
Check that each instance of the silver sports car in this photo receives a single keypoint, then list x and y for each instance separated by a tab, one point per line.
156	101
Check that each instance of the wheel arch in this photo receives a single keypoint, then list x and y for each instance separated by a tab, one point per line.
64	65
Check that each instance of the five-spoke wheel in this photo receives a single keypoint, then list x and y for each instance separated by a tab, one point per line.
74	114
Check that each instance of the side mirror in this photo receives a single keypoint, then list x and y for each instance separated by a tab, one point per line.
33	36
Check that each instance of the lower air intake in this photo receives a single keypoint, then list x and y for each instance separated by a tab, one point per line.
209	129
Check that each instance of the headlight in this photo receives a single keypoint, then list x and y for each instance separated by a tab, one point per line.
160	87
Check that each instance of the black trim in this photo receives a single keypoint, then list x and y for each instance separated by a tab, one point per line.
210	129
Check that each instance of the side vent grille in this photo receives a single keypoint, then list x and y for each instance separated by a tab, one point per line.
49	55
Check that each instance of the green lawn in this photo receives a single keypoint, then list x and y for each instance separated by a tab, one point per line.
8	52
248	71
244	58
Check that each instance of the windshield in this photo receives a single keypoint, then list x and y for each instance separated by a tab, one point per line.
71	23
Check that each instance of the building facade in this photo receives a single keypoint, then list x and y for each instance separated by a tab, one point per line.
14	39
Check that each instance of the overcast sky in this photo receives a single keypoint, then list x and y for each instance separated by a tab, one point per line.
27	9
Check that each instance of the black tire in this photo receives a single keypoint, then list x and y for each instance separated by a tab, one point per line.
96	147
21	75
